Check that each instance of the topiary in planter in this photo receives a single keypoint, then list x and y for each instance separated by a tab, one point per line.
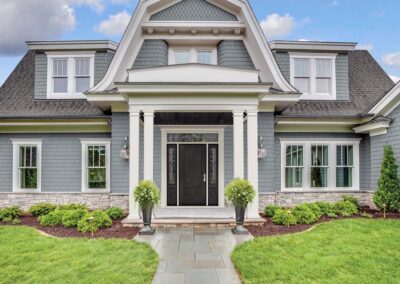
270	210
42	208
284	217
147	195
304	215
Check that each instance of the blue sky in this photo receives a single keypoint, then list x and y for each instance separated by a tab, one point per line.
373	24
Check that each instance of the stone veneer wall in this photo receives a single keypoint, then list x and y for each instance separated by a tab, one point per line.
93	200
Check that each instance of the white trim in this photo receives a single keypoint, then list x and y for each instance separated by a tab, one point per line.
85	142
72	45
165	130
331	143
70	57
193	53
374	129
312	45
388	103
26	142
313	85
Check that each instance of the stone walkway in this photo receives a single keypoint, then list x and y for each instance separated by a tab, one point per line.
194	255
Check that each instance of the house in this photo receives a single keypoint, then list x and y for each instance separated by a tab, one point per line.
192	97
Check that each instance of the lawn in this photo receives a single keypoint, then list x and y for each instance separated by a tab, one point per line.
29	257
347	251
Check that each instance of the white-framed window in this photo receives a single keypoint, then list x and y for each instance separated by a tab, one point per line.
314	75
27	165
186	55
69	75
319	164
95	165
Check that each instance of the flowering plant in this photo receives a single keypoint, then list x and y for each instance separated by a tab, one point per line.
240	192
146	194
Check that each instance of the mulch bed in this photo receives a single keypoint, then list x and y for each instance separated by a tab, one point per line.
271	229
115	231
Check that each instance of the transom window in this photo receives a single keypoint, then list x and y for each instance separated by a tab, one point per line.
192	137
320	165
314	76
192	55
69	75
95	166
27	165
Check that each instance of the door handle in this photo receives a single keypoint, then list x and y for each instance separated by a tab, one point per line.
204	178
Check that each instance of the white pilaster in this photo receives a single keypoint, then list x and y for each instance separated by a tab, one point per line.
238	156
148	144
134	132
252	160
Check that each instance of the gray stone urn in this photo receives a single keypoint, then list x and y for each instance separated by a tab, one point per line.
240	212
147	229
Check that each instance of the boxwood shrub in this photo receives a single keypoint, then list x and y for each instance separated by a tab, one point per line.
304	215
11	214
270	210
315	209
41	209
52	219
345	208
93	221
115	213
72	206
284	217
71	218
326	208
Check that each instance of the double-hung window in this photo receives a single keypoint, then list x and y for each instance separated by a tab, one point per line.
27	165
95	165
319	164
192	55
314	75
69	75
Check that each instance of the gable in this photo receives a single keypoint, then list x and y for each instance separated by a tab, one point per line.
193	10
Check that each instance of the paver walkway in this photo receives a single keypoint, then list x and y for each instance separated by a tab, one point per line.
194	255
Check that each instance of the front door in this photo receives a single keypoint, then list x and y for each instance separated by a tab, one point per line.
192	175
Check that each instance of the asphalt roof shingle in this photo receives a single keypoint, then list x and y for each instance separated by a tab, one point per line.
17	97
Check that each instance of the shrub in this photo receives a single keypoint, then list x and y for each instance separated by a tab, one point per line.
332	215
326	208
284	217
11	215
345	208
270	210
72	206
315	209
41	209
387	197
71	218
93	221
352	199
147	194
115	213
240	192
304	215
54	218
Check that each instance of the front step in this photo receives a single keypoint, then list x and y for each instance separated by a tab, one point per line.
197	222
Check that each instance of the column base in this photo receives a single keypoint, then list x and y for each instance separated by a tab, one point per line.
133	220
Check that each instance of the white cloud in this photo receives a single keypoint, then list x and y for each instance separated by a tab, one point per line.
275	25
391	59
395	78
32	20
368	47
115	24
96	5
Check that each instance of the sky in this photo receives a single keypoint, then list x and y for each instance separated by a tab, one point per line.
373	24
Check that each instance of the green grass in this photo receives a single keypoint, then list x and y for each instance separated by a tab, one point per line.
347	251
28	257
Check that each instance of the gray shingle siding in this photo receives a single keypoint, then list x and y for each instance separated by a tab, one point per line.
228	154
119	166
266	123
364	157
365	163
154	52
61	160
193	10
283	60
233	53
40	76
378	142
102	60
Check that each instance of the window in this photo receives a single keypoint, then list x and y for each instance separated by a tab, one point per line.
344	166
95	166
294	166
314	75
192	55
319	164
27	164
69	75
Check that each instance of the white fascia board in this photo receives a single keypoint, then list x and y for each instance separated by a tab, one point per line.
313	45
72	45
55	123
388	103
304	121
193	73
374	129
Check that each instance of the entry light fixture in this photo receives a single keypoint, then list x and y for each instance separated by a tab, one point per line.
124	154
262	152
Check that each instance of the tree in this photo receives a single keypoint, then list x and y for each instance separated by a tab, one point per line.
387	197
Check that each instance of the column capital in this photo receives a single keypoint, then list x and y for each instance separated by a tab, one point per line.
252	112
238	112
148	113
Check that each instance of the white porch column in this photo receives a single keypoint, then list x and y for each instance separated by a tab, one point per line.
134	132
252	160
148	144
238	156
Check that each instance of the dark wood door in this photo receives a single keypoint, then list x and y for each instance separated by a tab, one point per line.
192	179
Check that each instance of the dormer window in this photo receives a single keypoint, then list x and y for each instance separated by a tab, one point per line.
314	75
192	55
69	76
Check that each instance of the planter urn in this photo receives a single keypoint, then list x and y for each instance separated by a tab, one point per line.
147	229
239	228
